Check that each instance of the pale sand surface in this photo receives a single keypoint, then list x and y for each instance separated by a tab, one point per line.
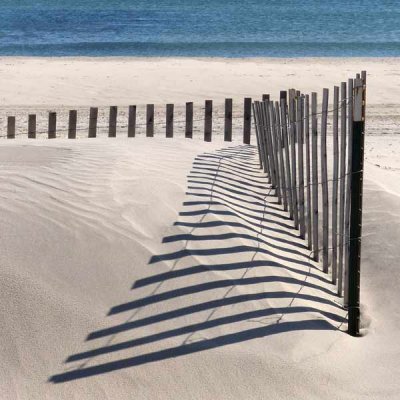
122	241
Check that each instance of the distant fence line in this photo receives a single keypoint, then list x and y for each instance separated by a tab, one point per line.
287	139
150	122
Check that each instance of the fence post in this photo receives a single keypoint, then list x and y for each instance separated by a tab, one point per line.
263	140
228	121
112	122
52	125
283	97
300	159
350	92
342	187
11	127
169	121
308	169
32	126
93	122
292	116
275	151
324	182
132	121
278	132
150	120
265	97
72	124
208	120
189	120
255	115
356	177
247	120
314	158
335	185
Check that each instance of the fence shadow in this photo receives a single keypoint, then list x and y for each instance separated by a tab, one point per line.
234	270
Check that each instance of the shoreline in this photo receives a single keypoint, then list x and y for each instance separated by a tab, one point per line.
83	81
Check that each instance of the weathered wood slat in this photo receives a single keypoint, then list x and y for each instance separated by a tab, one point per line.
342	184
32	126
169	121
132	121
324	183
335	183
72	120
315	186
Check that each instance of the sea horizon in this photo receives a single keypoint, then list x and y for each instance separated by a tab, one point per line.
173	28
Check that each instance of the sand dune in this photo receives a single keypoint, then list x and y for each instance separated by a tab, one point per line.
164	269
126	270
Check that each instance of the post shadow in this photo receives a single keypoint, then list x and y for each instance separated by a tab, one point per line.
237	198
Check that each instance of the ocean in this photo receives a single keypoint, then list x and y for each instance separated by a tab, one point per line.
202	28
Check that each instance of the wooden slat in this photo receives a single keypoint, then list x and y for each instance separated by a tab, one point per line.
285	138
324	182
300	159
228	120
189	120
308	169
247	120
32	126
346	244
293	162
315	186
72	119
11	127
112	122
169	121
150	120
260	151
261	133
342	184
282	176
93	113
52	129
132	121
335	183
275	150
208	120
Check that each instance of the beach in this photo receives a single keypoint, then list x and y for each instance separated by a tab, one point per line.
162	268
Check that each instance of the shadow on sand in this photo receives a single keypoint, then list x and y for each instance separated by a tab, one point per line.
231	221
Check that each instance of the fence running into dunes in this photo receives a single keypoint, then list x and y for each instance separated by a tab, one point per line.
292	152
190	120
287	138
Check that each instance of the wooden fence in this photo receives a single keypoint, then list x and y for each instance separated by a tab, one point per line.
292	142
130	124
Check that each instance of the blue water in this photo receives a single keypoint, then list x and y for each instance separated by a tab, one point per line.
247	28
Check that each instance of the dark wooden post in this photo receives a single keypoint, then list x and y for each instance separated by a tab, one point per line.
228	120
11	127
32	126
52	125
208	121
189	120
169	121
247	120
72	124
150	120
132	121
112	122
357	167
265	97
93	122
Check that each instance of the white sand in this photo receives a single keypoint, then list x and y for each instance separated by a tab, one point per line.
82	221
